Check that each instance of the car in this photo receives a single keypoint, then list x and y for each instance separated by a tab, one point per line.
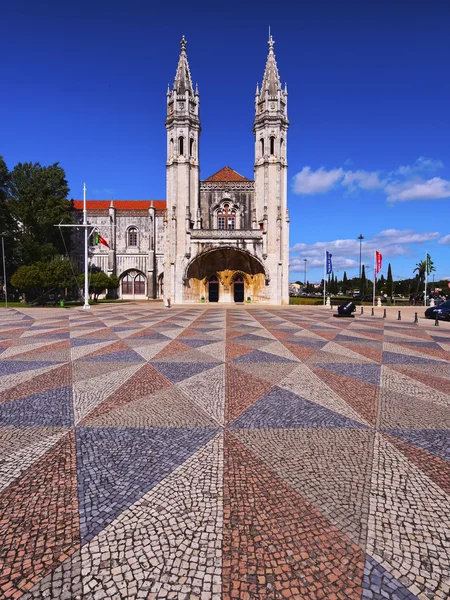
441	312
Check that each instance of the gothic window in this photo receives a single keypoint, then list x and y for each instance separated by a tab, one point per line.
261	142
139	284
132	237
181	145
281	147
127	284
171	147
226	217
272	145
191	147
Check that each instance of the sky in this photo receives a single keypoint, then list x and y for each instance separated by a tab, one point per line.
84	84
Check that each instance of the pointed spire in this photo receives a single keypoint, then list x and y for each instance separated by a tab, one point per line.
183	81
271	80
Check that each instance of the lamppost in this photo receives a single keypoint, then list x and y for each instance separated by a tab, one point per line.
305	260
360	238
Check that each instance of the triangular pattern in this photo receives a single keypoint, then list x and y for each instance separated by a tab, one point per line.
334	482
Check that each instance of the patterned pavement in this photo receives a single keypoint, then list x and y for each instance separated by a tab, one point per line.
211	453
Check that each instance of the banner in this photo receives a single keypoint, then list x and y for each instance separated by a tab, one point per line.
329	264
378	261
428	264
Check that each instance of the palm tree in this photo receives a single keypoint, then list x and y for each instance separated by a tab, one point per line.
421	268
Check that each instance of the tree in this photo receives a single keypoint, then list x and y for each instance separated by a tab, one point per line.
8	229
345	283
37	199
41	279
363	280
99	281
422	268
390	280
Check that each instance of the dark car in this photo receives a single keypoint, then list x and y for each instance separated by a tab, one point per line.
441	312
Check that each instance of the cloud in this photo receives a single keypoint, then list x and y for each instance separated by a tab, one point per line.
317	182
410	187
390	242
444	240
432	189
421	164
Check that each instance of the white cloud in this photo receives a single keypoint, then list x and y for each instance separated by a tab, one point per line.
316	182
444	240
390	242
418	190
410	187
366	180
421	164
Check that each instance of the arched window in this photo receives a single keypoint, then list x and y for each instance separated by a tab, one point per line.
171	147
282	147
226	217
261	143
181	145
139	284
132	237
272	145
127	284
191	147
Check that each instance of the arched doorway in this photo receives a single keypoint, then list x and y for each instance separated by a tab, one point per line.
133	285
238	289
213	289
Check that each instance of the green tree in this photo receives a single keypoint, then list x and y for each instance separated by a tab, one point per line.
37	199
390	281
363	280
41	279
422	268
99	281
8	228
344	283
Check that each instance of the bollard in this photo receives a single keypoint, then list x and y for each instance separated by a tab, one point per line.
416	319
372	314
384	314
399	318
362	310
436	322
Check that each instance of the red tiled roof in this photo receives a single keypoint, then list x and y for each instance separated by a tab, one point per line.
227	174
120	204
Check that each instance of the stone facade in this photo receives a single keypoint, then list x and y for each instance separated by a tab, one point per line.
224	239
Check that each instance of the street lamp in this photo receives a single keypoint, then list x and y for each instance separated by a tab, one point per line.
305	260
360	238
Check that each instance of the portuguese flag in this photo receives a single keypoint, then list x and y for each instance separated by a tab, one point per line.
98	239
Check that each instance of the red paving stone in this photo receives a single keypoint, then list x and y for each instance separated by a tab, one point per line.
280	549
39	524
242	390
361	396
58	377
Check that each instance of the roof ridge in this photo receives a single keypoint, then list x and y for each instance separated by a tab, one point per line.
224	173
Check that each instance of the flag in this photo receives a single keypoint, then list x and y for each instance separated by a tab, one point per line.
329	264
378	261
98	239
428	264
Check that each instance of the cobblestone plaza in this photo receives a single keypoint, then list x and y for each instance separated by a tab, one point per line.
217	453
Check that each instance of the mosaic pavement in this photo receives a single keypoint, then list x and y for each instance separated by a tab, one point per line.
218	454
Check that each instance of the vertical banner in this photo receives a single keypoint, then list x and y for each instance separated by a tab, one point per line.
329	263
378	260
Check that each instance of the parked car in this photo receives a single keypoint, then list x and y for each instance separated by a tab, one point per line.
441	312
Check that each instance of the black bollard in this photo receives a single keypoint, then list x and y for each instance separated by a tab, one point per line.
416	319
399	316
384	314
436	322
362	310
372	314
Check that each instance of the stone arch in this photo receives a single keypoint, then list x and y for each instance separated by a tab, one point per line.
226	263
133	284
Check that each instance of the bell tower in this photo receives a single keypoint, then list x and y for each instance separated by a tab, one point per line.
182	175
270	128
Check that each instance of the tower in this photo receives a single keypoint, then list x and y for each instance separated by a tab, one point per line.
270	129
182	174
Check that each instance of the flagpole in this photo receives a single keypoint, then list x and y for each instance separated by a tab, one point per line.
374	275
86	257
426	278
324	278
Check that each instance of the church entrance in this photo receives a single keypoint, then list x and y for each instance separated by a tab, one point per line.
239	289
213	289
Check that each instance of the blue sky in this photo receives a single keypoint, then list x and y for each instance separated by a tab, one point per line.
84	84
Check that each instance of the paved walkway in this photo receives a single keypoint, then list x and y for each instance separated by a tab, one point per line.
218	453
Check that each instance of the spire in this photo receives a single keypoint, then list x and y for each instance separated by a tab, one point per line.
183	81
271	80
